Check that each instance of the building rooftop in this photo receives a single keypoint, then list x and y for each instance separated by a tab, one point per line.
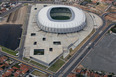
17	73
3	58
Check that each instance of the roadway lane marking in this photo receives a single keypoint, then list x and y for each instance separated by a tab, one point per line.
100	32
75	59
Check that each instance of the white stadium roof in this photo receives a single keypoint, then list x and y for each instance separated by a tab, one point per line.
45	23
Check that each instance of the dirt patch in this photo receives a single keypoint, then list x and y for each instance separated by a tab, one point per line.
21	16
111	17
16	17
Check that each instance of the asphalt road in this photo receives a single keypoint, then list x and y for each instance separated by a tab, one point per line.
68	67
41	2
22	61
21	49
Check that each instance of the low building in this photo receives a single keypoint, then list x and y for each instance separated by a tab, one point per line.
3	59
1	69
17	73
8	73
24	68
72	75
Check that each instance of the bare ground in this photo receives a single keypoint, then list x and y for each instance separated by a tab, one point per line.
16	17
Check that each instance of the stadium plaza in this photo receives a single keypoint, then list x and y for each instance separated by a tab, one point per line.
45	47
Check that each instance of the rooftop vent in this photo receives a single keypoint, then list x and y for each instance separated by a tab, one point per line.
35	43
50	49
33	34
45	5
57	43
44	39
35	8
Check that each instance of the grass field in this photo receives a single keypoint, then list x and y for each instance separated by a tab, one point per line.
38	73
26	59
56	65
38	64
9	51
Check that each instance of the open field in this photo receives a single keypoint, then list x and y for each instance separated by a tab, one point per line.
16	17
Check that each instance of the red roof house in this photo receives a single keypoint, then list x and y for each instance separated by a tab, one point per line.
17	73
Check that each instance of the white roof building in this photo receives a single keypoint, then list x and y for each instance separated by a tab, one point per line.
61	19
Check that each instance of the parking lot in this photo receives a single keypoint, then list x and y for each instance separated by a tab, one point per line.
10	35
103	55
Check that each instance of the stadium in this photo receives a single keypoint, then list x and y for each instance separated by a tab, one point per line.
55	29
61	19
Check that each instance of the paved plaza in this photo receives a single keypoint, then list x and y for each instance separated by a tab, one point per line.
47	41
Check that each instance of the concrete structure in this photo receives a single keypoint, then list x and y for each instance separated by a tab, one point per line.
46	19
52	45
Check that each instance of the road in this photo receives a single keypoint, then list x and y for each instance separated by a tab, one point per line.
21	48
19	58
40	2
75	59
110	5
22	61
11	10
81	53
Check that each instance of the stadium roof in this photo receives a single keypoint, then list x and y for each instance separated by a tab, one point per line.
77	18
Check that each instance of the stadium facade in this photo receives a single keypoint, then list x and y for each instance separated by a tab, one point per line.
61	19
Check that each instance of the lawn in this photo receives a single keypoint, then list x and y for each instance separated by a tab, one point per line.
26	59
38	64
17	65
56	65
38	73
9	51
